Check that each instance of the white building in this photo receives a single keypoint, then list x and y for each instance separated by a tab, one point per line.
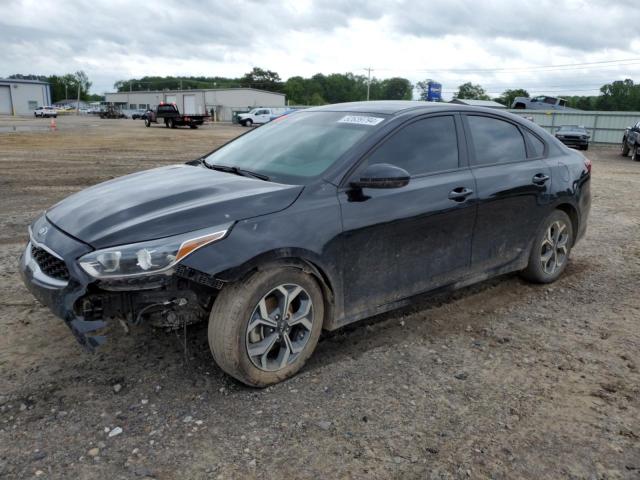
224	101
22	97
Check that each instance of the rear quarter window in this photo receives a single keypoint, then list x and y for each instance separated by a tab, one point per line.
536	146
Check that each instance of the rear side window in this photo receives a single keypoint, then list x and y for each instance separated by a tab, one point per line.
536	145
495	141
426	146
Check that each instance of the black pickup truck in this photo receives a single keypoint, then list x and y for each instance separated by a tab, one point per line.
631	142
172	118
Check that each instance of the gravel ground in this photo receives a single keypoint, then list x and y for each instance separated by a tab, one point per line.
500	380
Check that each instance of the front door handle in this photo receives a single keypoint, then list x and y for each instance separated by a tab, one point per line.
540	178
460	194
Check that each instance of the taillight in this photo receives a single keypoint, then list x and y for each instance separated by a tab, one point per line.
587	164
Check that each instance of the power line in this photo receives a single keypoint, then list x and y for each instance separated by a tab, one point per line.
558	67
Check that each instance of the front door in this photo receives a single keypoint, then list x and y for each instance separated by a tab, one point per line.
402	241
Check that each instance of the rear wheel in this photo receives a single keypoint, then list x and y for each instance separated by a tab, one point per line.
551	248
635	155
172	123
263	330
147	123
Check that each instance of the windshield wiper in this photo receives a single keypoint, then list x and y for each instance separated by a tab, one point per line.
237	171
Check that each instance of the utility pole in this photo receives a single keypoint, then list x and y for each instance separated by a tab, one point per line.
78	104
369	69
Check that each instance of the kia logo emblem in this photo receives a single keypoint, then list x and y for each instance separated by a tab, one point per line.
43	231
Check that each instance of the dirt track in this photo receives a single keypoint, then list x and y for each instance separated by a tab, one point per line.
501	380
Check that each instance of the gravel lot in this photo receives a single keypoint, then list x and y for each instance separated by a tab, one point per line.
500	380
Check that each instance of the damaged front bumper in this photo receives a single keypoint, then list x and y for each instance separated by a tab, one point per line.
59	294
50	271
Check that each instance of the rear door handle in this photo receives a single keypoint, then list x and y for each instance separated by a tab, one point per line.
460	194
540	178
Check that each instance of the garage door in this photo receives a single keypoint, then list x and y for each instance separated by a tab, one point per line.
5	101
190	104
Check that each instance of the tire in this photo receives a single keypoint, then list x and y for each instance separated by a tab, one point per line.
248	123
147	123
172	123
635	154
585	147
240	304
193	126
625	148
551	249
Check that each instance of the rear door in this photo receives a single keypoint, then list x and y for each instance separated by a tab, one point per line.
402	241
513	183
5	100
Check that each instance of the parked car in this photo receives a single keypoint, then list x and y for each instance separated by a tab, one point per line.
631	142
139	115
172	118
574	136
45	112
312	222
259	116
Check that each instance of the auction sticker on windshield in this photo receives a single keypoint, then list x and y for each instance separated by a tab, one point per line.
361	120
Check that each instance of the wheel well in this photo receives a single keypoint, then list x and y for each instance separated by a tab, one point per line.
571	211
306	266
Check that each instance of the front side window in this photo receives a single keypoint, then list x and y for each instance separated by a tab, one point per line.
495	141
297	147
425	146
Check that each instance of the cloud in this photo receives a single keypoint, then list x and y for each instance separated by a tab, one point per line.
117	39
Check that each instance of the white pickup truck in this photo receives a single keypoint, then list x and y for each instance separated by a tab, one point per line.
260	115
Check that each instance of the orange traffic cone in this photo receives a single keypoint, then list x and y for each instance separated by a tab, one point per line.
53	123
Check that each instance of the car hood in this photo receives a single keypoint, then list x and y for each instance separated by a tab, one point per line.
165	201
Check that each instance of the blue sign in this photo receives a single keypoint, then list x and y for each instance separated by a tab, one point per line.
434	92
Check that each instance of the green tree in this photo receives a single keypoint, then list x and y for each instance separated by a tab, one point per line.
470	91
620	95
396	88
263	79
508	96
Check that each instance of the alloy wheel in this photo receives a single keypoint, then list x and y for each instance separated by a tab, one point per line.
554	248
279	327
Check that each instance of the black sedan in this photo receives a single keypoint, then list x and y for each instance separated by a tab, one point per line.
311	222
574	136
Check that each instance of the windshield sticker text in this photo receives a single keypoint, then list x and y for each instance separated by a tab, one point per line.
361	120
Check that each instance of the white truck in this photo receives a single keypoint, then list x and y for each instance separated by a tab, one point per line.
260	115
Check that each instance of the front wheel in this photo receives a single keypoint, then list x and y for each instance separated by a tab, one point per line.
635	155
625	148
263	330
248	123
147	123
551	248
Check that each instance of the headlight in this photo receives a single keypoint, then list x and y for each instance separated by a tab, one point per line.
148	257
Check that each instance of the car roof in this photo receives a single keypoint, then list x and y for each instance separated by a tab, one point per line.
397	107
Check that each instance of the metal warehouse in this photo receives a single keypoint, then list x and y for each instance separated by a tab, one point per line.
22	97
222	101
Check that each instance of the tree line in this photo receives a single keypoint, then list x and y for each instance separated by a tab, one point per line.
316	90
620	95
320	89
64	86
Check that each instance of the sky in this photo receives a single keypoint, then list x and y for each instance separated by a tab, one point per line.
539	45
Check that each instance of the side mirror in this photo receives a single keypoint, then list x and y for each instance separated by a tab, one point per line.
382	175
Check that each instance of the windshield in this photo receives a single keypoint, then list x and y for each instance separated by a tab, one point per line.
571	127
298	147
